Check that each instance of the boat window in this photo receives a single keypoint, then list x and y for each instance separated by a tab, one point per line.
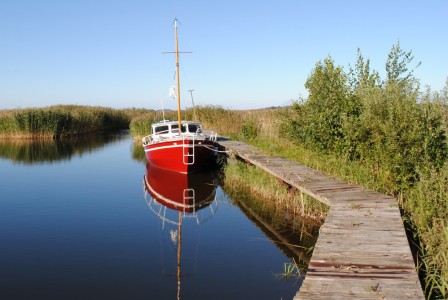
193	128
174	128
184	128
161	129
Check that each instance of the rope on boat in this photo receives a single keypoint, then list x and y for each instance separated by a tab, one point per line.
219	151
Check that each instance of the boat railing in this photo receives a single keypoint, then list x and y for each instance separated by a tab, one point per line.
165	136
213	136
146	140
150	139
213	208
160	210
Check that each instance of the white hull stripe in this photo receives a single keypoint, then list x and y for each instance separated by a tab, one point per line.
173	146
157	195
175	203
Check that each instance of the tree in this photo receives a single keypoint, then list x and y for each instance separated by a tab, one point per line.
361	77
398	67
329	102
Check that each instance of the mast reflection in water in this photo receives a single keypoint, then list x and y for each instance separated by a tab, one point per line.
173	197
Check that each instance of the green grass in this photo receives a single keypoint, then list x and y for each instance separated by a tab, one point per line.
292	270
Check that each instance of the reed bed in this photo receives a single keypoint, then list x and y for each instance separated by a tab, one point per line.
244	124
140	124
216	118
60	121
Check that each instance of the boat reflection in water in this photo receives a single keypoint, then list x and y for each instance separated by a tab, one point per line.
175	197
184	193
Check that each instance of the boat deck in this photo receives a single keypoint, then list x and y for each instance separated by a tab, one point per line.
362	251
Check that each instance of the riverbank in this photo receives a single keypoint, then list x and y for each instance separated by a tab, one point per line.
270	203
250	180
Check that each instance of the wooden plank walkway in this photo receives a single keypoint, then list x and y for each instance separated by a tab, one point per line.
362	251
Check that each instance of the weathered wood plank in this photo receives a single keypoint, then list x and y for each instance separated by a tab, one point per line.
362	251
365	288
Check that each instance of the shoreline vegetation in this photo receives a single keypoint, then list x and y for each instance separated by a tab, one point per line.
250	180
60	121
387	134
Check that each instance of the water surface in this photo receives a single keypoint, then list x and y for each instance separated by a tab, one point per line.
77	223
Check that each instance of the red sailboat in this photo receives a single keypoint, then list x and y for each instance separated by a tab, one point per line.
180	146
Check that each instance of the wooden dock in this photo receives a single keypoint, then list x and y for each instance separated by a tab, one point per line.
362	251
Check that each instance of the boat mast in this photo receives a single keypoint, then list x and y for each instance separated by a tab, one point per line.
177	76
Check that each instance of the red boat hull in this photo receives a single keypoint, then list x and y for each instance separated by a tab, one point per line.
183	156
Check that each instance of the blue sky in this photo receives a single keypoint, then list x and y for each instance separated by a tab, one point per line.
246	54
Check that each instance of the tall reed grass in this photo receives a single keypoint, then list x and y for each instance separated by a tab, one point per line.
60	121
243	124
140	124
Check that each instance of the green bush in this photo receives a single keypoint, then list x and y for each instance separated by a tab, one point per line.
249	130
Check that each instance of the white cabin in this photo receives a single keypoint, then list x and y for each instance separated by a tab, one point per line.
169	130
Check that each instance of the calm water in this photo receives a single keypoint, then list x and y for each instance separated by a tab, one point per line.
76	223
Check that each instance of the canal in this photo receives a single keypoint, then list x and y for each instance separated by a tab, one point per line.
86	219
